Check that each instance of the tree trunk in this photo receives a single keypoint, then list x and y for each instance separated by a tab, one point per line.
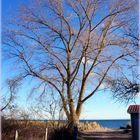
73	121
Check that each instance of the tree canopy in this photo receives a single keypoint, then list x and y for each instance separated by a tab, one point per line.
73	47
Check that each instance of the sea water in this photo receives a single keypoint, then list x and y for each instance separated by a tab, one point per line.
109	123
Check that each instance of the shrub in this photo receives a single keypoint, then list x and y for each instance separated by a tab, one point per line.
89	126
61	134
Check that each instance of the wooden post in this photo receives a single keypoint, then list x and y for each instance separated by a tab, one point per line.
46	133
75	132
16	135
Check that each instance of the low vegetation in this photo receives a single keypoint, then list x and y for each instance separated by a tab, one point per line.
89	126
35	130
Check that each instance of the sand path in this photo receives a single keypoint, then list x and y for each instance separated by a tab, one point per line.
108	134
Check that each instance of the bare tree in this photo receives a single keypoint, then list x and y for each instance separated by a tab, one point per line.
6	100
72	47
126	88
49	109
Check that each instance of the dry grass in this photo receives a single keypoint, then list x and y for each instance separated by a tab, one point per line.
34	130
89	126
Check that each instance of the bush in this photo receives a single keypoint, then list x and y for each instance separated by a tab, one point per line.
128	125
34	131
89	126
61	134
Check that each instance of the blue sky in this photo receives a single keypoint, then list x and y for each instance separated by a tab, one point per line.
100	106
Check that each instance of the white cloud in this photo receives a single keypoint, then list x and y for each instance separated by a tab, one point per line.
138	95
83	60
88	61
102	86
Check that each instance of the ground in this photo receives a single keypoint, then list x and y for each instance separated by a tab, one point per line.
105	134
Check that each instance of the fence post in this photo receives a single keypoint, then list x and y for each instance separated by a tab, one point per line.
46	133
75	132
16	135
